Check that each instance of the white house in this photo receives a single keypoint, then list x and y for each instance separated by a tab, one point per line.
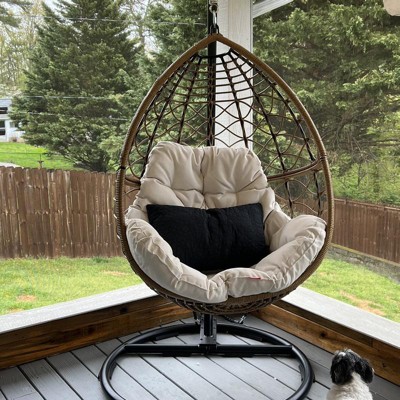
8	130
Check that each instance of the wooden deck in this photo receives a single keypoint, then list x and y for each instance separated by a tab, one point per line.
73	375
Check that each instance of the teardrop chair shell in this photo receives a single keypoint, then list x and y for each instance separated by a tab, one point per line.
231	100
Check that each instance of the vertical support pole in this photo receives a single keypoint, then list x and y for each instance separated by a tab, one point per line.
211	52
235	21
208	331
208	324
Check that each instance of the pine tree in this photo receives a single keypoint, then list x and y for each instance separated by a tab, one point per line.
7	11
174	26
77	89
342	59
15	44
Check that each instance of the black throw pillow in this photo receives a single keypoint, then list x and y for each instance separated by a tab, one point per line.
214	239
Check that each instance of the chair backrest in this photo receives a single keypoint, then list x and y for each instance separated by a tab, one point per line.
234	100
207	177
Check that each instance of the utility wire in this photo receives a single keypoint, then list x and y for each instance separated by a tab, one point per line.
76	117
103	19
64	97
58	97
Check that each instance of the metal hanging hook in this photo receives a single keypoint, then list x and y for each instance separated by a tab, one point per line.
213	7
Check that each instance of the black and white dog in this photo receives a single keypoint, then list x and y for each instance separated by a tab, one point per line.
350	374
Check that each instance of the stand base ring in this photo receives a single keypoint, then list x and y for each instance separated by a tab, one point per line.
273	346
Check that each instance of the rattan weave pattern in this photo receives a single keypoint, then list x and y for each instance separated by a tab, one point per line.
232	99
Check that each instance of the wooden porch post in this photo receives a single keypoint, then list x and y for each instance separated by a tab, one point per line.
235	21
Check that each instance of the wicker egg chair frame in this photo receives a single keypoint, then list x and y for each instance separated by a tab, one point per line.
229	99
184	106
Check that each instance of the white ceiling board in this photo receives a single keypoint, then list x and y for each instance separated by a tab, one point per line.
264	6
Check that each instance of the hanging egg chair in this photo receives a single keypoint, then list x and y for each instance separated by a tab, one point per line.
221	137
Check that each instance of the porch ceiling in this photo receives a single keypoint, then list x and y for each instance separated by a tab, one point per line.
261	7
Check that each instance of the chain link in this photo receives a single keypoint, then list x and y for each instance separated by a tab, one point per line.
213	7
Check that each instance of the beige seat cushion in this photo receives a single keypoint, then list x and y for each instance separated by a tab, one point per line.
213	177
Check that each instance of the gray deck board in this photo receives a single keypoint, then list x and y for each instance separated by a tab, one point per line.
74	375
14	385
321	361
187	379
123	382
257	379
47	381
78	376
92	357
153	380
221	377
283	370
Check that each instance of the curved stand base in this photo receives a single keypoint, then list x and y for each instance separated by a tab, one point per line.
274	345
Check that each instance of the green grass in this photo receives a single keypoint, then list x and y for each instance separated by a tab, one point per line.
358	286
29	156
31	283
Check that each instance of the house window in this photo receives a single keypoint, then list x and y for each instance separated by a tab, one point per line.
3	110
2	128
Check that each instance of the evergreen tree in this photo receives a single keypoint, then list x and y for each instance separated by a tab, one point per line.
7	14
342	59
15	44
174	26
77	89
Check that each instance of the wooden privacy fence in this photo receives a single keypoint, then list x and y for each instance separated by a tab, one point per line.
369	228
45	213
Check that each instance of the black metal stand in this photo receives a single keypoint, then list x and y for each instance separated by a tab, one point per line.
275	346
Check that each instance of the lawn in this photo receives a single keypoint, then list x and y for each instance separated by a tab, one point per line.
30	283
356	285
28	156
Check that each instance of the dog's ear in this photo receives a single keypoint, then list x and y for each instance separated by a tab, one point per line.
364	369
341	370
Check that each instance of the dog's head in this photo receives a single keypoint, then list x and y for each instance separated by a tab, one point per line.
345	362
